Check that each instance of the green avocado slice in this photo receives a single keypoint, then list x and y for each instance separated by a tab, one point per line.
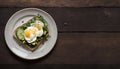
20	34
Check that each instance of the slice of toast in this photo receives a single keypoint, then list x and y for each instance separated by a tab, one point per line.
25	45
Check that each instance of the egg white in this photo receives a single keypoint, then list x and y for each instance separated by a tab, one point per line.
39	33
39	22
32	37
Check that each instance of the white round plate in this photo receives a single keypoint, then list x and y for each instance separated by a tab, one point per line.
16	20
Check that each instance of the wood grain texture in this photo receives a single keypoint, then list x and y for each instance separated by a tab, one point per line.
86	36
74	48
59	3
43	3
78	19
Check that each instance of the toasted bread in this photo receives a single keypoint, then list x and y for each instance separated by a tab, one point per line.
25	45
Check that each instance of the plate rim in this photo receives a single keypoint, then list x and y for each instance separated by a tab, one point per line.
17	12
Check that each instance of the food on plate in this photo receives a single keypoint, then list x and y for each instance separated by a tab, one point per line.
32	33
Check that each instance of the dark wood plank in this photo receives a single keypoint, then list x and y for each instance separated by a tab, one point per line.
59	3
43	3
89	48
78	19
74	48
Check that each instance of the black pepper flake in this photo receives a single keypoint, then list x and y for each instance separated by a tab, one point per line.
22	21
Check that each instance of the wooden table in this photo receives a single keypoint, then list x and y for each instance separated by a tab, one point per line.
86	35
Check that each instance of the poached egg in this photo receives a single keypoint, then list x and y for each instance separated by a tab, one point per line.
33	31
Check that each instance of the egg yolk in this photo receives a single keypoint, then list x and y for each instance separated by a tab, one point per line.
38	26
30	31
33	31
27	33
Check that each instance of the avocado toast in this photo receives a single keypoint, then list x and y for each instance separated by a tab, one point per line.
32	33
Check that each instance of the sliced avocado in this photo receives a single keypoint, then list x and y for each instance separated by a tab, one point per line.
45	32
20	34
33	43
